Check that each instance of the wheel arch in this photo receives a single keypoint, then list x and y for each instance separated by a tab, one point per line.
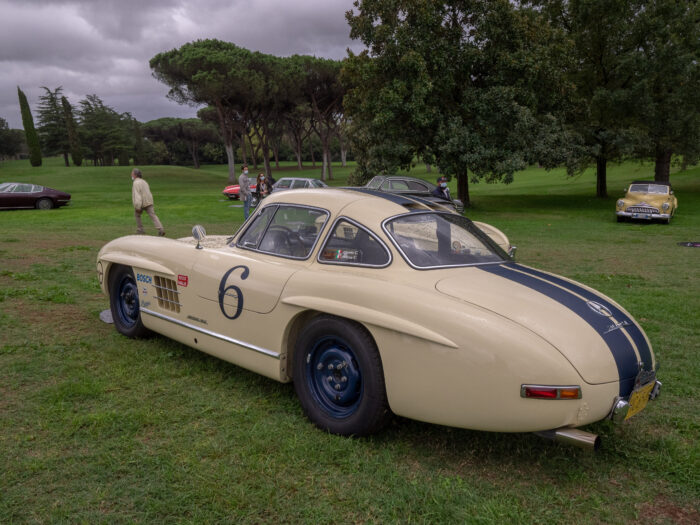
106	263
297	324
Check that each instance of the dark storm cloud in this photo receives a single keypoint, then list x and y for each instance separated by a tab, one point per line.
103	46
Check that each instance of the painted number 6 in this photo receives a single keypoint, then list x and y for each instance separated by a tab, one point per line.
224	291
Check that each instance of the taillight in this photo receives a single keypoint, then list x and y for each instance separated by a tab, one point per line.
550	392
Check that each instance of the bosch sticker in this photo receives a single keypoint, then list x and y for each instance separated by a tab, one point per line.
183	280
144	278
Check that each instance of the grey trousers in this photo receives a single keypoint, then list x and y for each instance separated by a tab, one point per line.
152	214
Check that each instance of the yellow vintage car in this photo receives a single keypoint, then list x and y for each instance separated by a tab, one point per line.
374	303
647	200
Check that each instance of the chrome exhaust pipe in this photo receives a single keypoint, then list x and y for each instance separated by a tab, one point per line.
573	436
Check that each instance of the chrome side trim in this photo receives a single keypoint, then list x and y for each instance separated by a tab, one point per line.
216	335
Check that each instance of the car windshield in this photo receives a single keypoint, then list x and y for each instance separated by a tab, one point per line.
435	240
649	188
375	183
5	186
284	230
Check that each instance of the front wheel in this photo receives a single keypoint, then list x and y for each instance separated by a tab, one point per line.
124	302
44	204
338	377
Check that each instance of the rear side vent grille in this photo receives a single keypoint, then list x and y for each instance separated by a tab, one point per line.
167	294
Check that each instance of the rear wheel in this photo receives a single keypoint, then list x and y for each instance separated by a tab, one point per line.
338	377
124	302
44	204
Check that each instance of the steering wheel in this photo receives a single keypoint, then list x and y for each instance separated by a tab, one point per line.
283	237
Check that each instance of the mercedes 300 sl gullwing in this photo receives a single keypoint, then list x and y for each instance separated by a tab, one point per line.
373	303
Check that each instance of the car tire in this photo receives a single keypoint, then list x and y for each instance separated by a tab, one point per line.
44	204
124	302
620	218
338	377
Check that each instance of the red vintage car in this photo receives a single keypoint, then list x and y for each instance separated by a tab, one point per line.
24	195
232	192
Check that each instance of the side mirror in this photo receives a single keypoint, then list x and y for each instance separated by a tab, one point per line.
199	233
511	252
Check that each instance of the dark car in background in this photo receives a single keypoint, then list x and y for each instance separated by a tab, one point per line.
18	195
410	186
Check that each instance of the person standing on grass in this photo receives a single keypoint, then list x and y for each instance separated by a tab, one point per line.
143	201
244	191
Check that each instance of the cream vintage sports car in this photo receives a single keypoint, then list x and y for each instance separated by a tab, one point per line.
647	200
375	303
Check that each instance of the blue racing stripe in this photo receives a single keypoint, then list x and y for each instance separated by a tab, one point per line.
620	347
632	329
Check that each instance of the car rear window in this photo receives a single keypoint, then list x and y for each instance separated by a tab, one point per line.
437	240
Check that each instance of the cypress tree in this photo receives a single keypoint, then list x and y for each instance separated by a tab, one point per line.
29	130
73	137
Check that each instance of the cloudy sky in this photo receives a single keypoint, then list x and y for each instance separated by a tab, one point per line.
103	46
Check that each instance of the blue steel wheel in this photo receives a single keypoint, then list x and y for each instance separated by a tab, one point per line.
124	302
338	377
334	376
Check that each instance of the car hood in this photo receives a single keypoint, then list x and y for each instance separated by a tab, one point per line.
593	333
632	199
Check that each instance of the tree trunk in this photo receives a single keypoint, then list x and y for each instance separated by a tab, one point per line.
601	177
324	165
343	156
327	172
297	152
463	188
195	157
662	169
244	150
313	158
276	153
428	168
231	163
65	159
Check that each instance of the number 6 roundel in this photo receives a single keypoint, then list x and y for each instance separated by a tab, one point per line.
223	291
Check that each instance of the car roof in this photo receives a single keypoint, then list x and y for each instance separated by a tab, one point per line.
369	207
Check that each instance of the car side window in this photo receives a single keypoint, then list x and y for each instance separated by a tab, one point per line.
283	184
299	184
36	188
22	188
349	243
399	185
251	237
291	231
417	186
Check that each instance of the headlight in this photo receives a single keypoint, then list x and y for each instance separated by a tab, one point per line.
620	203
666	206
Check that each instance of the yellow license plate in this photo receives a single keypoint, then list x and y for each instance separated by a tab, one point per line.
639	399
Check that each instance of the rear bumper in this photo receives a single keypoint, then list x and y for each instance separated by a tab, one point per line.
621	404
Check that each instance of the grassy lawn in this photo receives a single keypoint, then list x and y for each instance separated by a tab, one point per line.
98	428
